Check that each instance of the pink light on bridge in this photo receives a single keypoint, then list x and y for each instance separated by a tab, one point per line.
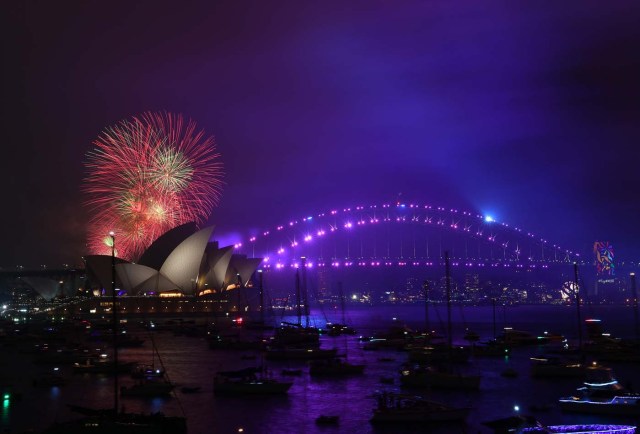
348	225
280	251
308	238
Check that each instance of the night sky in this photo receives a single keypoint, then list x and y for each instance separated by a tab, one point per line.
529	111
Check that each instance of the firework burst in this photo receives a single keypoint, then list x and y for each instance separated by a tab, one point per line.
148	175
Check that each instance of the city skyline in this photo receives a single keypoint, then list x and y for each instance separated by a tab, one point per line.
527	112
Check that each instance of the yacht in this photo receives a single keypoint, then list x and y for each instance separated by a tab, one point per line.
248	381
397	408
428	376
334	367
602	394
556	367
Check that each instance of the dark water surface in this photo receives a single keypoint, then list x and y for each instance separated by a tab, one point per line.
189	362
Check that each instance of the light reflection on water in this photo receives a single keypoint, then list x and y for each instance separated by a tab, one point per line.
189	362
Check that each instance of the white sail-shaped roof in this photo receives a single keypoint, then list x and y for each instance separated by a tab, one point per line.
158	252
99	271
247	267
183	264
243	266
132	275
157	283
218	262
47	288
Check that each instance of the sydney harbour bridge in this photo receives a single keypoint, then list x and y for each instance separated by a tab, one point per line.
402	234
385	245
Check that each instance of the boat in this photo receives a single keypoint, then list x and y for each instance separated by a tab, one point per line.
556	367
292	372
397	408
102	365
516	338
327	420
602	394
437	353
51	378
509	373
442	375
147	371
122	423
218	341
334	367
248	381
421	376
295	334
299	353
190	389
336	329
529	425
148	387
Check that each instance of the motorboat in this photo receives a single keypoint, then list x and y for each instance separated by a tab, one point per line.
334	367
296	334
299	353
101	365
248	381
397	408
556	367
335	329
443	378
327	420
602	394
529	425
147	371
104	422
148	387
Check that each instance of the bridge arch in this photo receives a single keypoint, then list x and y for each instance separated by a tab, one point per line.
338	237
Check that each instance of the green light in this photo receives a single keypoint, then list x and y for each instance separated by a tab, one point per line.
6	396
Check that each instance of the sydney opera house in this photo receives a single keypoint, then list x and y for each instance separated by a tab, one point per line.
182	271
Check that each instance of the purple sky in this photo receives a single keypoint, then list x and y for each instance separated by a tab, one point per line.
527	110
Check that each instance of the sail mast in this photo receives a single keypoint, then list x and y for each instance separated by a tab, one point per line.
577	290
448	289
305	293
425	286
634	294
298	297
261	298
115	323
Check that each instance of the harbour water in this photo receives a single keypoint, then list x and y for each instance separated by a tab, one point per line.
189	362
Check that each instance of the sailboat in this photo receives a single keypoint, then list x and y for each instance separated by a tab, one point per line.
334	329
441	376
335	366
260	323
110	420
293	341
152	381
557	367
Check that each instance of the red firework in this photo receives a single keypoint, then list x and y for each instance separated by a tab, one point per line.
148	175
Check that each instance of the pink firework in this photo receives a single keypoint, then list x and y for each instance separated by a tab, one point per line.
148	175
